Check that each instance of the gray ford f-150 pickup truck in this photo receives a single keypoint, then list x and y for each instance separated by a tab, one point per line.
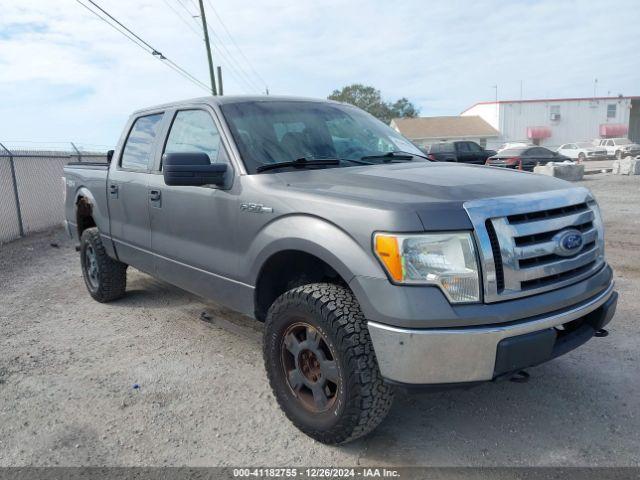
371	266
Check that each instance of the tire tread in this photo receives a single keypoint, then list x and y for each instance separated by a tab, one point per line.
341	312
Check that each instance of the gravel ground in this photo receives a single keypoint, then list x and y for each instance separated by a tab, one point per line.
68	366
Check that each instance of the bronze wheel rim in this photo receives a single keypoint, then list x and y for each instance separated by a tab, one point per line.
310	367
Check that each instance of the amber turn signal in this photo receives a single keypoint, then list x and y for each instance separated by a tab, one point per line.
386	247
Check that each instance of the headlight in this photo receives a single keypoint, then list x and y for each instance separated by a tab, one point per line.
447	260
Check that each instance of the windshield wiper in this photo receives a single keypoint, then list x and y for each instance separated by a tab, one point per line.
389	156
299	163
413	154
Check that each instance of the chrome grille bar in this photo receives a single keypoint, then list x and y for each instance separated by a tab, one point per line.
549	247
518	242
541	226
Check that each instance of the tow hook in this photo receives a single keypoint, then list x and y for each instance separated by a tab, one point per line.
602	333
520	377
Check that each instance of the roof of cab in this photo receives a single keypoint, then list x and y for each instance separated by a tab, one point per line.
227	99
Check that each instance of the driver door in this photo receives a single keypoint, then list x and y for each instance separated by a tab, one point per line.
193	228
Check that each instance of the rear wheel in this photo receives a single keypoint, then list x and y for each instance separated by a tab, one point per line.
105	278
321	364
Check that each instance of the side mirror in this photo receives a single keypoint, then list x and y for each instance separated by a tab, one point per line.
192	169
110	155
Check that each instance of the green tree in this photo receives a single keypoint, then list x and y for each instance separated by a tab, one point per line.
370	100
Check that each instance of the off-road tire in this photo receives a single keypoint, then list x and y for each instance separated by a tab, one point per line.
364	399
111	279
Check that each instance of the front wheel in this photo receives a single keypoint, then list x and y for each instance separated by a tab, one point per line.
105	278
321	364
619	154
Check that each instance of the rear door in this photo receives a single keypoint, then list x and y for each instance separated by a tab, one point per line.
463	154
193	228
127	192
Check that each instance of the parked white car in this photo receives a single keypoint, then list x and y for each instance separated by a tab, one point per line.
582	151
620	147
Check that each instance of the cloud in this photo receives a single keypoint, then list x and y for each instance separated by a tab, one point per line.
66	75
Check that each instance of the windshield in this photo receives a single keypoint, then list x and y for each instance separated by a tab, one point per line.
281	131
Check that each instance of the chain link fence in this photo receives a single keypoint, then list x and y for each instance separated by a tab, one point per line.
31	189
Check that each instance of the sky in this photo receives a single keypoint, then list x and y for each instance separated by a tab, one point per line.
65	75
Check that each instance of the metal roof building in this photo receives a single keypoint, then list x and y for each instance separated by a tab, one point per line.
424	131
554	121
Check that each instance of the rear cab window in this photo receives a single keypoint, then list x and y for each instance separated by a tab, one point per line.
138	148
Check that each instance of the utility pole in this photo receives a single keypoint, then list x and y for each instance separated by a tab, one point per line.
208	45
220	89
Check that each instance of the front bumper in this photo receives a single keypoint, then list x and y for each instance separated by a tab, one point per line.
480	353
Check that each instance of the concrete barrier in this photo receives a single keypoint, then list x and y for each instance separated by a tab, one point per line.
566	171
627	166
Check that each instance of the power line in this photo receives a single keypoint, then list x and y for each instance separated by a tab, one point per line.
181	18
232	63
186	9
141	43
234	66
249	64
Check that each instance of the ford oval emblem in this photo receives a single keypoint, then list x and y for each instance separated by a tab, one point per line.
568	242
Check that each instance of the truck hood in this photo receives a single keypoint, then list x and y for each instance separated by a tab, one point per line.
435	191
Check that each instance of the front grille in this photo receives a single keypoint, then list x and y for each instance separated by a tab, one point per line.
546	214
497	258
552	279
519	239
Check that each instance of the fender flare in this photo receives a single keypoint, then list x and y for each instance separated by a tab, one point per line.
317	237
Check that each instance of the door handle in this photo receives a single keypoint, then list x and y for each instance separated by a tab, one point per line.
113	190
154	195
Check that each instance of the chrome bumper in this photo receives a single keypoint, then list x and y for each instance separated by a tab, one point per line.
456	355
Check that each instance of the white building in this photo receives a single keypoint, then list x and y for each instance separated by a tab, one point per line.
552	122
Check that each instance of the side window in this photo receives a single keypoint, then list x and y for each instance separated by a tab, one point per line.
137	149
194	131
463	147
474	147
611	110
447	147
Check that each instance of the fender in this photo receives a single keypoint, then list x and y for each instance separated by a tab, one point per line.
100	216
315	236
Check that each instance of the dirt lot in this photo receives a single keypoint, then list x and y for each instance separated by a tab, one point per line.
68	367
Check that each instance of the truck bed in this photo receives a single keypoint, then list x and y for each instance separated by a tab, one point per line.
89	165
